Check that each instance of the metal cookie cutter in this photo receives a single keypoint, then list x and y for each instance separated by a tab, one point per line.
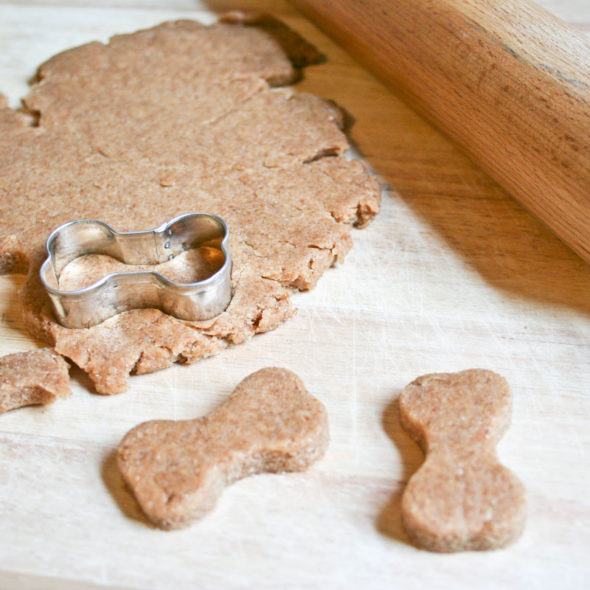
122	291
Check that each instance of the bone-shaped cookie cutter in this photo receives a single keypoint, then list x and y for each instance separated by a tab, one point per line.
122	291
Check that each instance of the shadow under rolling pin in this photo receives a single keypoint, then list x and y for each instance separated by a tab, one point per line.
508	81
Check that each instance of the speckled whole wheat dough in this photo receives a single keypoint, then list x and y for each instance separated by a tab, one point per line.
461	498
32	377
180	118
178	469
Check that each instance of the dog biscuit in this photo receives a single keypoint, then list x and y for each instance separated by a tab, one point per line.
461	498
178	469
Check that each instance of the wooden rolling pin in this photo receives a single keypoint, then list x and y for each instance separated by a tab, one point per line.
507	80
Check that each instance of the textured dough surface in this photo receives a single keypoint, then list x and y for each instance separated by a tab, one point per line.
176	119
461	498
33	377
178	469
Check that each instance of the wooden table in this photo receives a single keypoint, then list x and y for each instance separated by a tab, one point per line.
452	274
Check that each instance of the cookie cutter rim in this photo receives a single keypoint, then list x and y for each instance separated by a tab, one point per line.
117	292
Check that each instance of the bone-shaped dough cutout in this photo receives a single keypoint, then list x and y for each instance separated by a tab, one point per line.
188	267
461	498
178	469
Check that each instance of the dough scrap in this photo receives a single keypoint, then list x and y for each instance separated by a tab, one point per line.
179	118
33	377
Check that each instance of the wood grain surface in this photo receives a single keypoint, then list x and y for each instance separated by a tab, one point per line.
452	274
508	81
